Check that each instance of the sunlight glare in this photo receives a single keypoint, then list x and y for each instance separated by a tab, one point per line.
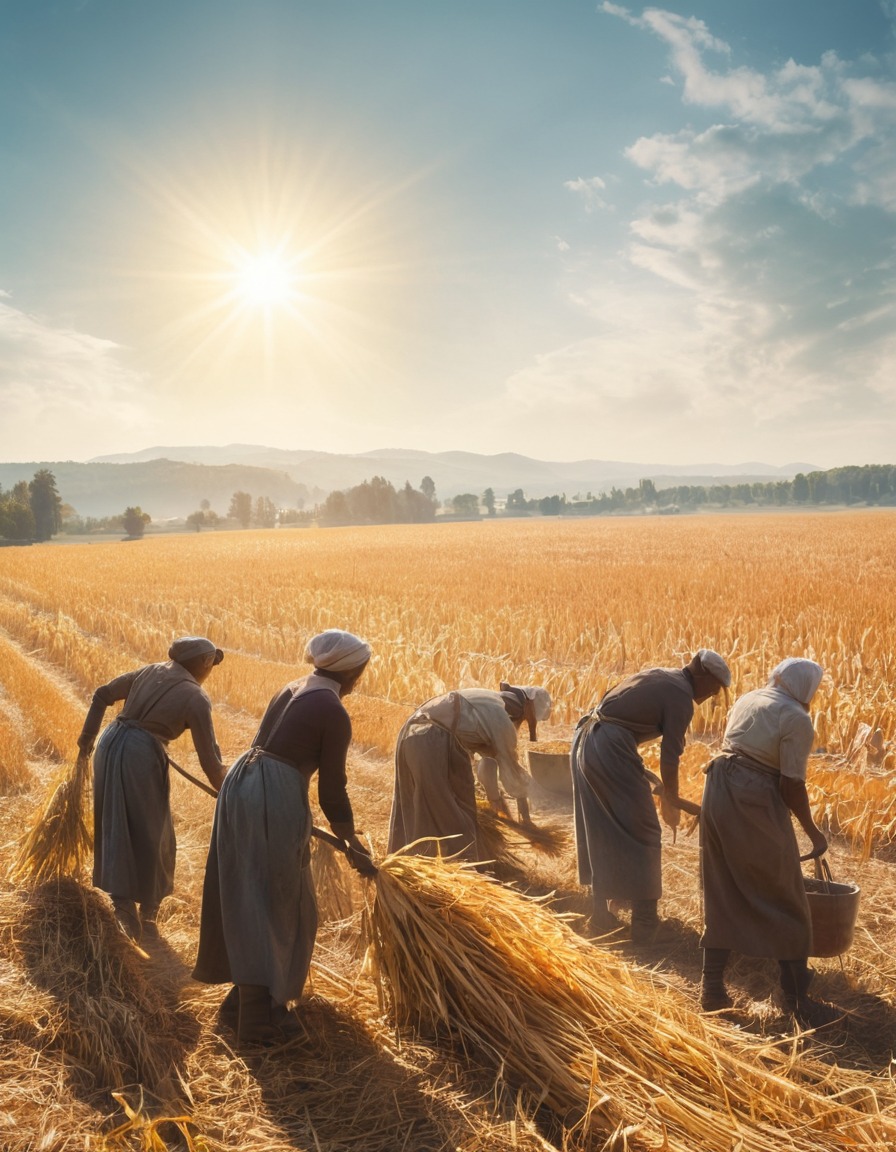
265	280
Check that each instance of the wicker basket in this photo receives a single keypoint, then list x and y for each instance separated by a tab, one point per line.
834	909
551	770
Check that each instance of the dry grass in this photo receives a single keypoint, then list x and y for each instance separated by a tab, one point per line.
582	605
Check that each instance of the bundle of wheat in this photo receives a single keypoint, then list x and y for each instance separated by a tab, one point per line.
103	1012
621	1058
502	838
333	882
60	837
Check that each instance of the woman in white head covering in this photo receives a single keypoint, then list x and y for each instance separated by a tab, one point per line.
435	793
134	845
754	898
259	913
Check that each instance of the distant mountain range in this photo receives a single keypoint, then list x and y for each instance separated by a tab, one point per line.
171	481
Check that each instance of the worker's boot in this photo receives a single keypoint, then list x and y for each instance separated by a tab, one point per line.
286	1020
127	917
796	976
254	1026
647	928
602	920
149	914
713	993
229	1012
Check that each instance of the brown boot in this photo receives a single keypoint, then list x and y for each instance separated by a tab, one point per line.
647	928
602	921
148	917
713	993
127	917
255	1025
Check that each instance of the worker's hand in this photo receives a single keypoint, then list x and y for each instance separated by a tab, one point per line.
669	810
819	845
358	855
85	744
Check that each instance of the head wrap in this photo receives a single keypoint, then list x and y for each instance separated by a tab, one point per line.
530	704
336	651
713	663
189	647
798	678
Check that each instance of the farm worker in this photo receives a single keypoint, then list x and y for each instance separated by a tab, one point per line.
435	794
259	914
754	898
134	845
618	839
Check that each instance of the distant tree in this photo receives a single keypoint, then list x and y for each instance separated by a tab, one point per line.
516	501
801	488
134	521
241	508
46	504
488	500
265	515
428	488
16	517
205	505
466	504
196	520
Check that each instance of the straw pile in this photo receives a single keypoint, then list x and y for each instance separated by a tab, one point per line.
99	1009
621	1059
59	839
502	838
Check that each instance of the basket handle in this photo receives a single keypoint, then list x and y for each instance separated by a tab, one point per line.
823	870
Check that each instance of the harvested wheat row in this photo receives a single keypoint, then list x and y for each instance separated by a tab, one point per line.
606	1047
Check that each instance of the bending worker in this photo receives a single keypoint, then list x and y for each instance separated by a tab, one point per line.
754	898
134	844
259	913
618	838
435	794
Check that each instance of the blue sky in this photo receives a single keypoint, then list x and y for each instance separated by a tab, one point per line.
558	228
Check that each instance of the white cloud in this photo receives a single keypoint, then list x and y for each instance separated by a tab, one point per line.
590	192
60	388
754	301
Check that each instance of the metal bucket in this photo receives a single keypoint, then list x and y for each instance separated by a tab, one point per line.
551	770
834	909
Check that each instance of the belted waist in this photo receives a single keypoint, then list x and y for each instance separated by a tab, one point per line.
744	761
127	722
254	754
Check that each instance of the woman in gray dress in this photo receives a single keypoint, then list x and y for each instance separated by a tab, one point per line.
134	843
754	898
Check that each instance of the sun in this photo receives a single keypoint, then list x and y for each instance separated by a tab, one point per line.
265	280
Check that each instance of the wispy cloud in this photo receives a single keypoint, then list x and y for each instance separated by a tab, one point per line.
758	283
591	192
65	384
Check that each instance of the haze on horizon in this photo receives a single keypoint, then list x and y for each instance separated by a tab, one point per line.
567	229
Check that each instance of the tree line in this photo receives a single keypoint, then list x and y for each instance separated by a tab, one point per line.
34	511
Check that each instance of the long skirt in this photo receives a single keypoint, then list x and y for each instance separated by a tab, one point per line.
259	913
435	795
134	846
618	838
754	898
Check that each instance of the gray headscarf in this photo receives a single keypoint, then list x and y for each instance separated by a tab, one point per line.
798	678
189	647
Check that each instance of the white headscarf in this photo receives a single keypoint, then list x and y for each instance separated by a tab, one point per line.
714	664
337	651
798	678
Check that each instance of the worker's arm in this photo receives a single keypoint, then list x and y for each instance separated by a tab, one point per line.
103	698
203	733
795	796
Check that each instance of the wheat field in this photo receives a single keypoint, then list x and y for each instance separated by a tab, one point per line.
572	606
